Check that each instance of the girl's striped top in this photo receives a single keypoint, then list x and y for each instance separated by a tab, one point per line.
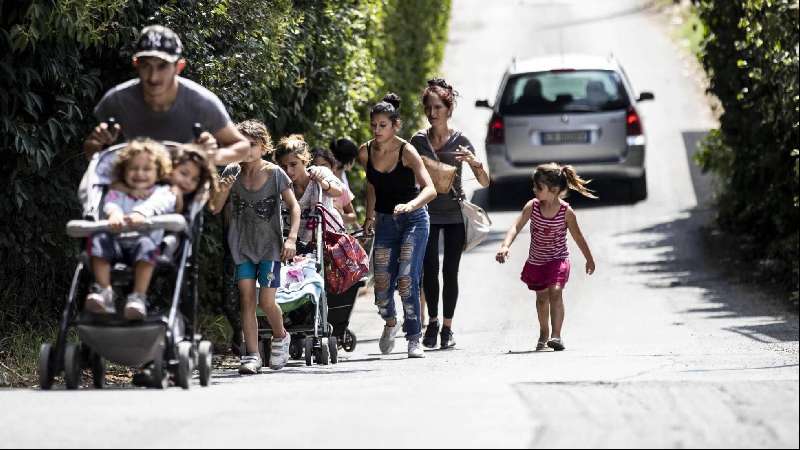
548	235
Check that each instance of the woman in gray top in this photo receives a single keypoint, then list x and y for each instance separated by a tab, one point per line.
440	142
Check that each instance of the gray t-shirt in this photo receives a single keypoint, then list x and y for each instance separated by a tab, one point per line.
255	232
444	209
194	104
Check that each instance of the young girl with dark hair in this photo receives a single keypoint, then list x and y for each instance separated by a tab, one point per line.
547	270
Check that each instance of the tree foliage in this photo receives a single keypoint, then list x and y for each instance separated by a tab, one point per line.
751	56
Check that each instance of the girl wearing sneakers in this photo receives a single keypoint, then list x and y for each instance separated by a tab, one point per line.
547	270
253	190
398	188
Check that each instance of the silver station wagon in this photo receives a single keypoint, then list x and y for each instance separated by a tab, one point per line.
569	109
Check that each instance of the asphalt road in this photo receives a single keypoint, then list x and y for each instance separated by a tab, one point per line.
663	350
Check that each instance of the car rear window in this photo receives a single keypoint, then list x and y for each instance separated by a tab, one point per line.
557	92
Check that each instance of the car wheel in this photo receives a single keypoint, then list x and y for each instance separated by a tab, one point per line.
638	188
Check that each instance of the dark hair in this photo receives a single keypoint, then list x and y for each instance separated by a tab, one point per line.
195	154
553	175
389	105
443	90
324	153
345	150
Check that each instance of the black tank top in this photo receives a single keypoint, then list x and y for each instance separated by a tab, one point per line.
391	188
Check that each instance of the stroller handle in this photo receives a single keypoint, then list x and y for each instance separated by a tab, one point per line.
85	228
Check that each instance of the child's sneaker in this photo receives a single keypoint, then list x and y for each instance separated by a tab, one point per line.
135	307
431	334
541	345
386	344
556	344
249	364
100	301
279	354
414	349
448	341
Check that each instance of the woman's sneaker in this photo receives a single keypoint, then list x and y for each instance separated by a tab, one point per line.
414	349
431	334
447	338
386	344
135	307
100	300
250	364
556	344
279	353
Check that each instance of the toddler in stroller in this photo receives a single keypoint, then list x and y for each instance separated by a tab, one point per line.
123	251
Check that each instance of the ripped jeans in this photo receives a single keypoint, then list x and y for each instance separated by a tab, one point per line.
400	243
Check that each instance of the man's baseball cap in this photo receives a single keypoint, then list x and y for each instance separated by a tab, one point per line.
160	42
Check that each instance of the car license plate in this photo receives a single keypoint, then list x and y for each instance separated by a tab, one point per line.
565	137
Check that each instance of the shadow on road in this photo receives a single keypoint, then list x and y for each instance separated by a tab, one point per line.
688	258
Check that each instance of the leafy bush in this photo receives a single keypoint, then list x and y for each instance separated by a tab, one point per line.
751	56
300	66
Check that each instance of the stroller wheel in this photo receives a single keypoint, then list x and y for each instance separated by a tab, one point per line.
324	352
184	364
72	366
98	370
45	366
349	341
333	346
205	359
309	349
158	376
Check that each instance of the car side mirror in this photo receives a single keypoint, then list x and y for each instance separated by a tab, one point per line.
482	104
646	96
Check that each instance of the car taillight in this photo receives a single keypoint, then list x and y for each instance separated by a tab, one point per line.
633	123
496	133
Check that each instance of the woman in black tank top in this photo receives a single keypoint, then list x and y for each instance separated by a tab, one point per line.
398	188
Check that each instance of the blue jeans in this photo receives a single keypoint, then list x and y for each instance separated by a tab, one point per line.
400	243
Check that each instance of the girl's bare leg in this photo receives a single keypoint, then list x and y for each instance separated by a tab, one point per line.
247	300
143	273
102	272
543	311
272	310
556	310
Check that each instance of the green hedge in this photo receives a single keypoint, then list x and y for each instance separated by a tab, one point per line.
751	55
300	66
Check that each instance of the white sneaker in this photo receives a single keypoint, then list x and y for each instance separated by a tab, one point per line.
279	353
415	349
135	307
249	365
386	344
100	301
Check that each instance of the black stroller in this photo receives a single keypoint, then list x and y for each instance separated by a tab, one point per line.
165	342
316	319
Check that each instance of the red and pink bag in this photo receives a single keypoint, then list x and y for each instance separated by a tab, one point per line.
346	262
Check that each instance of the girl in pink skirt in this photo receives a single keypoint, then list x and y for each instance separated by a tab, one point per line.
547	268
